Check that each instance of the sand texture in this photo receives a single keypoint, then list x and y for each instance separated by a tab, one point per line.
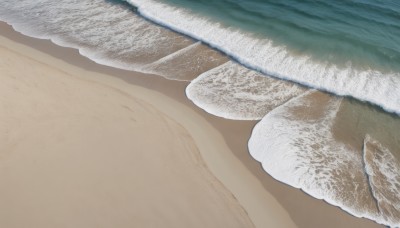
78	152
222	143
75	153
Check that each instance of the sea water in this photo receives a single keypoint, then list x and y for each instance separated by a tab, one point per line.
345	47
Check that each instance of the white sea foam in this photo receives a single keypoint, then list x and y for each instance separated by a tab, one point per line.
107	33
261	54
383	171
295	145
187	63
235	92
127	41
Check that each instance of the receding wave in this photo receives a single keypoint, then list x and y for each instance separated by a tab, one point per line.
378	86
235	92
322	145
383	171
127	41
107	32
187	63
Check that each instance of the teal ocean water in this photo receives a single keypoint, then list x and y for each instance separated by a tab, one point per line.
365	33
349	48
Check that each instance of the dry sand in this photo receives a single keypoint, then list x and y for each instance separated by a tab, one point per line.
221	143
80	149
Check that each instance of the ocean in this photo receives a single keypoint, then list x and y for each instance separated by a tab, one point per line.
264	60
348	48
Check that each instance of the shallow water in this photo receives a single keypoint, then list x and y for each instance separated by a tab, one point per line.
335	149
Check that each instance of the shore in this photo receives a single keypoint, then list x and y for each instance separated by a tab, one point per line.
221	143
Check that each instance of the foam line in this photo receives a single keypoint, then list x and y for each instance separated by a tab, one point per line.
295	145
124	40
382	89
234	92
187	63
383	171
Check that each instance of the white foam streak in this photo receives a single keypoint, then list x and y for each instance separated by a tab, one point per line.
383	170
295	145
187	63
109	34
376	87
234	92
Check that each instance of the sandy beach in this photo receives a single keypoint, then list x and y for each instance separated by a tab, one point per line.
85	145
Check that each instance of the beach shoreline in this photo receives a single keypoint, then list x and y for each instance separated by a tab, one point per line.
233	136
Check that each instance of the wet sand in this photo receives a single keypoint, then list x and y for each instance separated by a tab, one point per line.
304	210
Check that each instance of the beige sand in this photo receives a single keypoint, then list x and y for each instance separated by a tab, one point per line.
304	210
82	149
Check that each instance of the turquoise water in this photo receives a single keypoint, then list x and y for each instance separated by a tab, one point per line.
364	32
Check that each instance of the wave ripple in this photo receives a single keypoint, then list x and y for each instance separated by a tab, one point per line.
235	92
376	86
296	143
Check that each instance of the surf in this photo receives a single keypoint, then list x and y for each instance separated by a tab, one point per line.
379	86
